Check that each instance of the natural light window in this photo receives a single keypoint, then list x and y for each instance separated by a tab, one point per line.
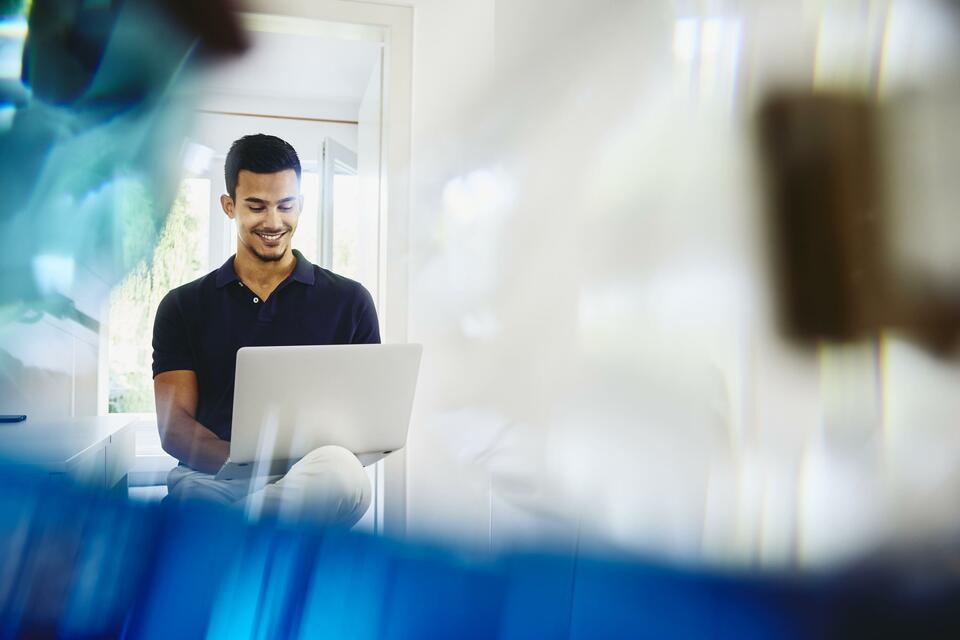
346	225
179	257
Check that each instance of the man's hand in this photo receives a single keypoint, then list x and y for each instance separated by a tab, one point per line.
180	434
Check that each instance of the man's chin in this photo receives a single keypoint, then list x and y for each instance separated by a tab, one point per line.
270	257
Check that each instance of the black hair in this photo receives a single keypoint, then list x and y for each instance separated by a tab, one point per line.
259	153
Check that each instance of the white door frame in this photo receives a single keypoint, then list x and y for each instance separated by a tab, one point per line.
393	26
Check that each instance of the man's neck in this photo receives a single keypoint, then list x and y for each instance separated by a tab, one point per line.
262	276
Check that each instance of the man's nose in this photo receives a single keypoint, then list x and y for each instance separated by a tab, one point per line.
274	220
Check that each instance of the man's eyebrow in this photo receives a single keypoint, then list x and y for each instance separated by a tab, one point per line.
253	200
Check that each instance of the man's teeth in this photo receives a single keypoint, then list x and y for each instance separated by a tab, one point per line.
269	236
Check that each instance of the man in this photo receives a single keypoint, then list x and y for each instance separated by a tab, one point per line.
266	294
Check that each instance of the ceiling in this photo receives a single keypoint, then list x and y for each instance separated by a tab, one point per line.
281	65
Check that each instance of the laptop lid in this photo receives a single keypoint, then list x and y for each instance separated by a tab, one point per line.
290	400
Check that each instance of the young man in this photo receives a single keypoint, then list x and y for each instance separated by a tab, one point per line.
266	294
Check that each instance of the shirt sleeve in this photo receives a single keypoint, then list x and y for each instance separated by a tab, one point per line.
366	326
171	343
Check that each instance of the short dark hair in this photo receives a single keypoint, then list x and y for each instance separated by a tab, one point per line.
259	153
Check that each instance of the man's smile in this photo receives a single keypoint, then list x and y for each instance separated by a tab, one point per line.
270	239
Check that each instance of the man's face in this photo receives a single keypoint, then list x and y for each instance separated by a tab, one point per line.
267	207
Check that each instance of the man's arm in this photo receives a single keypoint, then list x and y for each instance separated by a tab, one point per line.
180	434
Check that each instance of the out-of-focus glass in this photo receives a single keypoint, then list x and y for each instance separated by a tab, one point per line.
590	276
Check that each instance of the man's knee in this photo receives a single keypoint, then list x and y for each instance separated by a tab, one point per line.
328	484
185	484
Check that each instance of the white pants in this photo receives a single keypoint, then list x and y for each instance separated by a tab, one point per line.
327	486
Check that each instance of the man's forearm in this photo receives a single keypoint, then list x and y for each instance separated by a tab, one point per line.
193	444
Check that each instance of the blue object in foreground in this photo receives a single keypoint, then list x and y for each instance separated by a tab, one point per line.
75	564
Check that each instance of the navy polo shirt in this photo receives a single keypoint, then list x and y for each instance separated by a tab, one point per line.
201	325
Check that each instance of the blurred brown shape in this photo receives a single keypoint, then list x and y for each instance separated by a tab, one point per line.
214	22
825	214
835	278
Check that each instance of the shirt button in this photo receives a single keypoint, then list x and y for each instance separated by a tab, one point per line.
256	300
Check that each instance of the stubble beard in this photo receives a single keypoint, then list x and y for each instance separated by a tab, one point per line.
267	258
264	258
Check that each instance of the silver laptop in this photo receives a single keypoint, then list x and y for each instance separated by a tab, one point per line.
288	401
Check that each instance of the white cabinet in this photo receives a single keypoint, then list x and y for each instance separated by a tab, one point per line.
94	451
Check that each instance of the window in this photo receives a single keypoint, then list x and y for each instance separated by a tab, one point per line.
346	226
179	257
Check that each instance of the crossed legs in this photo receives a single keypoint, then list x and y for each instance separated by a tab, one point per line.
327	486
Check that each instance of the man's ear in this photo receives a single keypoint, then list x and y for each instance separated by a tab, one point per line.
227	203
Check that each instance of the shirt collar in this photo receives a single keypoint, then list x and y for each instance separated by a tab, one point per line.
226	273
302	271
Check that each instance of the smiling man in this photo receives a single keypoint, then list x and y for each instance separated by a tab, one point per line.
267	294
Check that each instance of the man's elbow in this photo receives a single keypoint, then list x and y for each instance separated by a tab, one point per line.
169	447
171	441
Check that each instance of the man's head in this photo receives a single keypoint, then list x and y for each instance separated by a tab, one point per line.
262	175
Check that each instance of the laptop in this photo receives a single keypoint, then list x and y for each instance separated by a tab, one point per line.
288	401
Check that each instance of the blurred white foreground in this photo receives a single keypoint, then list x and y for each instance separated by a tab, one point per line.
591	287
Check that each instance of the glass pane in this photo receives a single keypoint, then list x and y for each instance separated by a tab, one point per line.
179	257
346	226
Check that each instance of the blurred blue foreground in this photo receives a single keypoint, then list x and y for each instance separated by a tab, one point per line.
76	564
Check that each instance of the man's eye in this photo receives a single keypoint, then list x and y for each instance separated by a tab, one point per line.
287	208
257	209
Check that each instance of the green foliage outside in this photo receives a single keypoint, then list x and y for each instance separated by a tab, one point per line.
133	307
